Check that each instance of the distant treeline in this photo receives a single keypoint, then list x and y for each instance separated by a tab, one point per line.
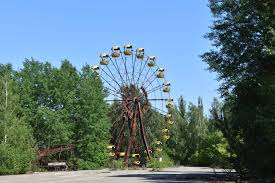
43	106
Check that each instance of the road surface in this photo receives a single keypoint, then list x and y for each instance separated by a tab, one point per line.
169	175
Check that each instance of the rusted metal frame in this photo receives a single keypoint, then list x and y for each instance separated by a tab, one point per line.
132	134
142	129
120	139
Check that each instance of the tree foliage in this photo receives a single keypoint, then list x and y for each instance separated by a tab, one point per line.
194	140
48	107
243	34
92	128
16	141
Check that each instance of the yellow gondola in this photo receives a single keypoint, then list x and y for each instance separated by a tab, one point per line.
95	67
115	54
169	106
104	55
168	116
136	162
140	56
140	50
164	130
110	147
161	69
140	53
111	154
128	46
152	58
151	64
169	99
160	75
97	75
158	142
128	49
121	153
104	62
150	151
128	52
166	90
115	48
135	155
166	84
158	149
165	137
169	123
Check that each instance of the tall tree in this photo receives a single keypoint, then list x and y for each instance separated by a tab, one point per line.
16	142
92	128
178	145
243	34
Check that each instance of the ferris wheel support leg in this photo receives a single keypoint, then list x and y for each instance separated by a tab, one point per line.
120	140
142	130
132	137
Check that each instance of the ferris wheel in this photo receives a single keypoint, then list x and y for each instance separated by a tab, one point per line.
136	87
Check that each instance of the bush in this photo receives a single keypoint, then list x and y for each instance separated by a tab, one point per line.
17	153
213	152
116	164
156	164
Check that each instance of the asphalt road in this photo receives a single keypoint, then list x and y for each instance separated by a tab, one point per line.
169	175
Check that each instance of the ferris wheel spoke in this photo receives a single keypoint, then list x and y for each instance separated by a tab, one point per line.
161	94
146	75
150	83
112	78
117	69
133	71
155	88
113	95
158	109
157	99
141	69
124	60
147	79
115	90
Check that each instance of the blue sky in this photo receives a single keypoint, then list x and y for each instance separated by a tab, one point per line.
80	30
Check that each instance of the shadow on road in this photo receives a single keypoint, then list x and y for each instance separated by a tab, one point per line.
169	177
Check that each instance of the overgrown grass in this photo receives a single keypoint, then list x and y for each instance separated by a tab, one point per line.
116	164
156	164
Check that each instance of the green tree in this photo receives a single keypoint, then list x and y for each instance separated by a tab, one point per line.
46	98
92	127
198	129
177	146
16	141
214	147
243	34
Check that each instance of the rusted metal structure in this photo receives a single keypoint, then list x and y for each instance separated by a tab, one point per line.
54	150
136	84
